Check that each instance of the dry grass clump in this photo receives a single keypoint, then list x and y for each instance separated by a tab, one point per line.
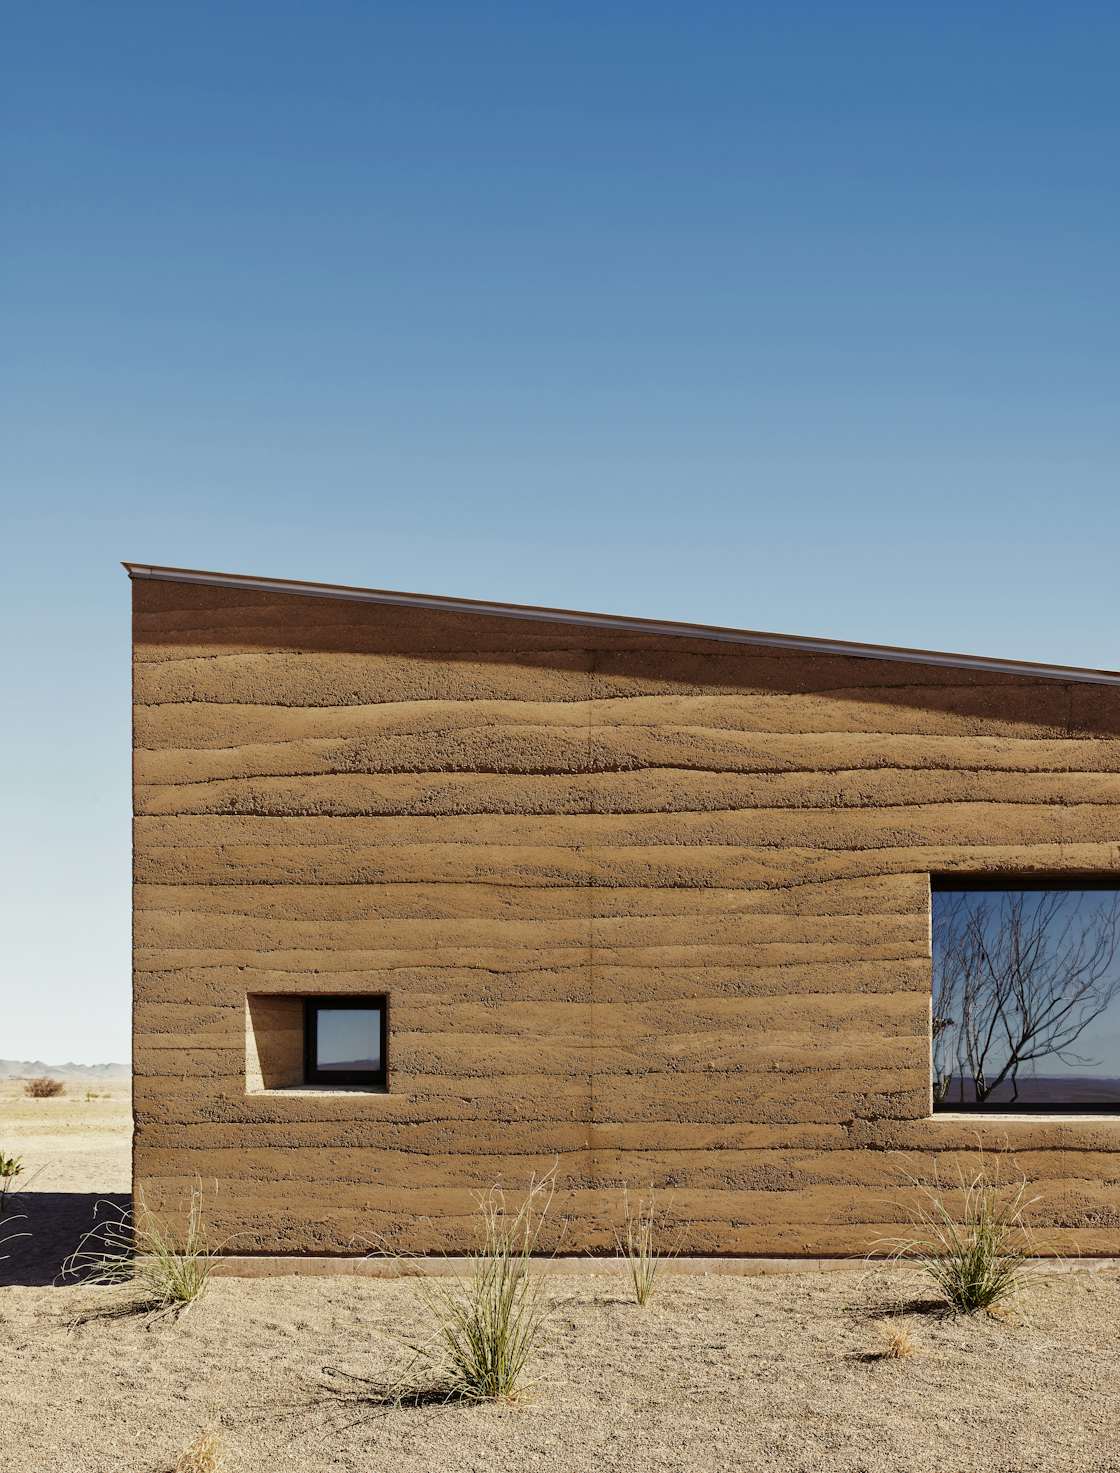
975	1256
485	1327
644	1246
10	1168
206	1454
900	1344
170	1270
43	1088
6	1238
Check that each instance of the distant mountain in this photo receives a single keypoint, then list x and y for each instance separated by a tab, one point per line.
1038	1090
33	1068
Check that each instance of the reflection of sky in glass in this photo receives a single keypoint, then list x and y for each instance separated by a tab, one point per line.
1095	1055
348	1038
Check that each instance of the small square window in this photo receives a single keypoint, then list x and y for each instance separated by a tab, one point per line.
1026	994
345	1040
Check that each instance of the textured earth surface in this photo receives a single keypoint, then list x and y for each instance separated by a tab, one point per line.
718	1373
653	907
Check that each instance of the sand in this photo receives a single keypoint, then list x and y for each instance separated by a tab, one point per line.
719	1373
76	1150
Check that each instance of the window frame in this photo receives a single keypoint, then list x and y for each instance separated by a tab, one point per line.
368	1078
999	883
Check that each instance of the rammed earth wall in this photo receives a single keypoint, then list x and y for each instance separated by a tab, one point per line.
653	907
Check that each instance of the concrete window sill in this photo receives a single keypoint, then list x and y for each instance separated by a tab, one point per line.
997	1118
319	1089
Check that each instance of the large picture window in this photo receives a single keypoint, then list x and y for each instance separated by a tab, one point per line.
1026	995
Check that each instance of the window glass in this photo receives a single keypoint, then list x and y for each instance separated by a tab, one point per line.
348	1039
1026	997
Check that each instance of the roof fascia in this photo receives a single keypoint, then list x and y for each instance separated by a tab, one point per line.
669	628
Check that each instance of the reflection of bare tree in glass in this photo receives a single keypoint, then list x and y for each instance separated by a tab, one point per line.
1020	976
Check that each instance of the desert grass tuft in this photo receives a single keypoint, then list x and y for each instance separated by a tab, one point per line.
10	1168
43	1088
7	1237
976	1256
485	1327
206	1454
169	1269
900	1344
644	1245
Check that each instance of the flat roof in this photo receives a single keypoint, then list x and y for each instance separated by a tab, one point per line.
796	642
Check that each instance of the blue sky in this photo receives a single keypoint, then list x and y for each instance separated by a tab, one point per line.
348	1036
799	317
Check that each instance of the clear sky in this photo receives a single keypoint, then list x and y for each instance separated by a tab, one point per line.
797	316
348	1036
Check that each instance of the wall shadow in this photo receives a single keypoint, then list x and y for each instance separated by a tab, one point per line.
43	1228
195	617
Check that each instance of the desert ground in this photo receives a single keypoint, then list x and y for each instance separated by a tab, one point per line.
719	1372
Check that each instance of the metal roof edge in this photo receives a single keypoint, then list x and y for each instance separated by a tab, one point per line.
672	628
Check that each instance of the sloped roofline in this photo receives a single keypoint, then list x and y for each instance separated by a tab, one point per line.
667	627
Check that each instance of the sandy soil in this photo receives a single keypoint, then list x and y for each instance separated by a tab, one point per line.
76	1149
719	1373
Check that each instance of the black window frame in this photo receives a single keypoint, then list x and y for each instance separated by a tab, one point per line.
957	882
369	1078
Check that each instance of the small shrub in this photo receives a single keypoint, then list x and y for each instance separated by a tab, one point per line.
977	1257
486	1326
642	1244
206	1454
10	1168
169	1271
43	1088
